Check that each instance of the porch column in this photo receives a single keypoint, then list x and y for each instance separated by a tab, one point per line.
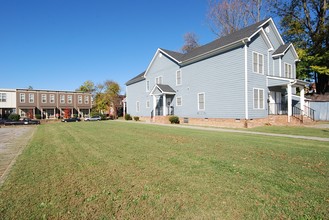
124	108
154	107
289	102
302	100
164	105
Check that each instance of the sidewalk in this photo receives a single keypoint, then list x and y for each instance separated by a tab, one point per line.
195	127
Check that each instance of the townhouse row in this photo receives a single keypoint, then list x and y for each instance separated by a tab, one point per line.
48	104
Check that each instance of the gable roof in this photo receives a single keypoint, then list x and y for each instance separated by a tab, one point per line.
138	78
235	37
164	89
283	49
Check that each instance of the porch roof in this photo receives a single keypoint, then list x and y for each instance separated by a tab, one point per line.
163	89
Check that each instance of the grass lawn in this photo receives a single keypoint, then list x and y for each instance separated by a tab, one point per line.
116	170
292	130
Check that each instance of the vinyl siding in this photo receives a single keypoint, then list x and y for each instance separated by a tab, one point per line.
256	80
136	93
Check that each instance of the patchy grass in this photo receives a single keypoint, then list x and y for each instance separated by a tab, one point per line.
304	131
116	170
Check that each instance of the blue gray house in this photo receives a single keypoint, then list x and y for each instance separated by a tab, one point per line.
246	76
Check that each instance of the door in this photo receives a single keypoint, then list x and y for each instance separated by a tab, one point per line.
272	105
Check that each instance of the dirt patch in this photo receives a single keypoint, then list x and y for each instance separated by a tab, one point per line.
12	142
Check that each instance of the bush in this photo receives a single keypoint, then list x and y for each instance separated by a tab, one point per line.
14	117
37	116
174	119
136	118
128	117
103	117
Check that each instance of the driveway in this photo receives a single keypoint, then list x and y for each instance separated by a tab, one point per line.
12	142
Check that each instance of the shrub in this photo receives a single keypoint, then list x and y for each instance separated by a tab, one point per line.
103	117
136	118
174	119
14	117
128	117
37	116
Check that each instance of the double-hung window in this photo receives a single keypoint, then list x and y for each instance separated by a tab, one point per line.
62	99
147	85
31	98
43	98
52	98
137	106
69	99
201	101
86	99
258	98
178	77
80	99
179	101
158	80
3	97
258	63
287	70
22	98
147	103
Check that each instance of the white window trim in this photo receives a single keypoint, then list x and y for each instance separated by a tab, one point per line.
43	100
51	98
86	99
181	101
181	77
69	99
22	97
258	104
3	97
147	85
204	99
253	61
138	107
148	104
31	97
157	79
79	99
62	99
286	74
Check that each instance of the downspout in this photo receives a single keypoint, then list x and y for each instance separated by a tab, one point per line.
246	79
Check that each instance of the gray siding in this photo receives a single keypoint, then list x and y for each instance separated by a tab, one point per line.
321	110
136	92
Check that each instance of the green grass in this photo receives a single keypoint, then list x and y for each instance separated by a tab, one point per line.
304	131
117	170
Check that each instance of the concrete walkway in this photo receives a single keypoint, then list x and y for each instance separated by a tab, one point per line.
235	131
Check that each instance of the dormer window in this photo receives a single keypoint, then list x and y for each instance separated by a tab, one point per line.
287	70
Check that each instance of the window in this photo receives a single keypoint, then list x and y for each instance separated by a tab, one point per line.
201	101
287	70
258	63
258	98
137	106
52	98
31	98
69	99
147	85
158	80
22	97
62	98
178	77
3	97
86	99
80	99
179	101
43	98
148	104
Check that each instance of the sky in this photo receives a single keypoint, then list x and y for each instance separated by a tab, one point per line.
59	44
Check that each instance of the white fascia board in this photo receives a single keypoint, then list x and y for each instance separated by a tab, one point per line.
267	40
276	31
293	51
155	56
212	52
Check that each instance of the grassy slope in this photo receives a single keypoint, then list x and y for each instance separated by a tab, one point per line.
133	171
304	131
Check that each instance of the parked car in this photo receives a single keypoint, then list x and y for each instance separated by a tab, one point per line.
93	118
71	120
11	122
28	121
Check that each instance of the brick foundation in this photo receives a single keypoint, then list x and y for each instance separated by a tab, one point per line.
280	120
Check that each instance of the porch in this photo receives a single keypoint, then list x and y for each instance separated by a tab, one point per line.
163	96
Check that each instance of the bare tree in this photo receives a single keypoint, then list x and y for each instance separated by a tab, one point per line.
227	16
191	42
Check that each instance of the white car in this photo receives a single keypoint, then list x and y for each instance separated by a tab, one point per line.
93	118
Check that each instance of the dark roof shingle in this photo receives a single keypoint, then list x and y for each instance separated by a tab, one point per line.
136	79
281	49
